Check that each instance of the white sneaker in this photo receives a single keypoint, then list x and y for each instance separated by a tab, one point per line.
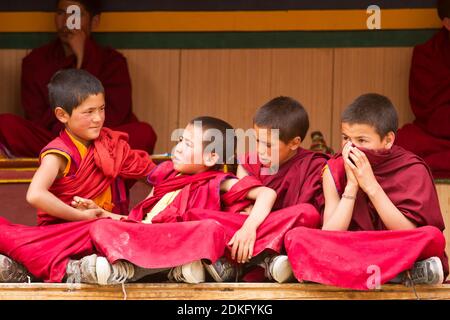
82	271
192	272
278	268
427	271
116	273
12	271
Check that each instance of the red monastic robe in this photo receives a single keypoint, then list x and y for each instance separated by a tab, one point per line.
299	197
347	258
45	250
26	138
429	91
299	180
109	161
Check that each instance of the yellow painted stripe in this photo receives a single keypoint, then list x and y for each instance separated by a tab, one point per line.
19	160
15	181
18	169
308	20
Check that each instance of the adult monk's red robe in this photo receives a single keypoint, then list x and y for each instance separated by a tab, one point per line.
429	92
26	138
350	258
45	250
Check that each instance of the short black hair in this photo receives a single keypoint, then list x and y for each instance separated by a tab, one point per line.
227	155
372	109
285	114
443	7
94	7
68	88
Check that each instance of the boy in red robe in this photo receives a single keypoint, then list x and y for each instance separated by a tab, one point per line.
429	92
293	172
381	215
86	160
72	49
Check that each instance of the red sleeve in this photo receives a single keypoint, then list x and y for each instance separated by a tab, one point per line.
110	67
34	102
418	201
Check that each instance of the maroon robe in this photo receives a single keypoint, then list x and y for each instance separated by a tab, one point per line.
108	65
299	180
344	258
429	92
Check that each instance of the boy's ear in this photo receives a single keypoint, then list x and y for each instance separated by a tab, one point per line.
62	115
389	139
295	143
211	159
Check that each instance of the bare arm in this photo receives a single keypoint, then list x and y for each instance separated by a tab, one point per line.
39	196
338	212
241	172
244	239
392	218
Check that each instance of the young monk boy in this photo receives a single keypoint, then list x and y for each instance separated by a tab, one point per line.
293	172
176	247
85	160
381	210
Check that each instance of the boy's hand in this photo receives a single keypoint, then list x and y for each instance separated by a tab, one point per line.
243	242
363	171
352	182
83	203
92	214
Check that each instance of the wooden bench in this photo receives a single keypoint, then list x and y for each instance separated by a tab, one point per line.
214	291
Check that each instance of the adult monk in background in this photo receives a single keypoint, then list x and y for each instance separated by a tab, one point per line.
429	91
72	49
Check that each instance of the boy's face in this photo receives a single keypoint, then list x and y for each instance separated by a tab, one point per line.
61	17
86	120
188	157
365	136
272	151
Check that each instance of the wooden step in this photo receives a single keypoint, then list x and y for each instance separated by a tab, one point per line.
214	291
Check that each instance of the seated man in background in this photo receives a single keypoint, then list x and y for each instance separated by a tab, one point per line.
72	49
429	92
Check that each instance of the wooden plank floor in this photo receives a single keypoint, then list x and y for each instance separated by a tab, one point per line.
213	291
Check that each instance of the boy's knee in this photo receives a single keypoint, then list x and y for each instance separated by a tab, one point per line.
435	234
